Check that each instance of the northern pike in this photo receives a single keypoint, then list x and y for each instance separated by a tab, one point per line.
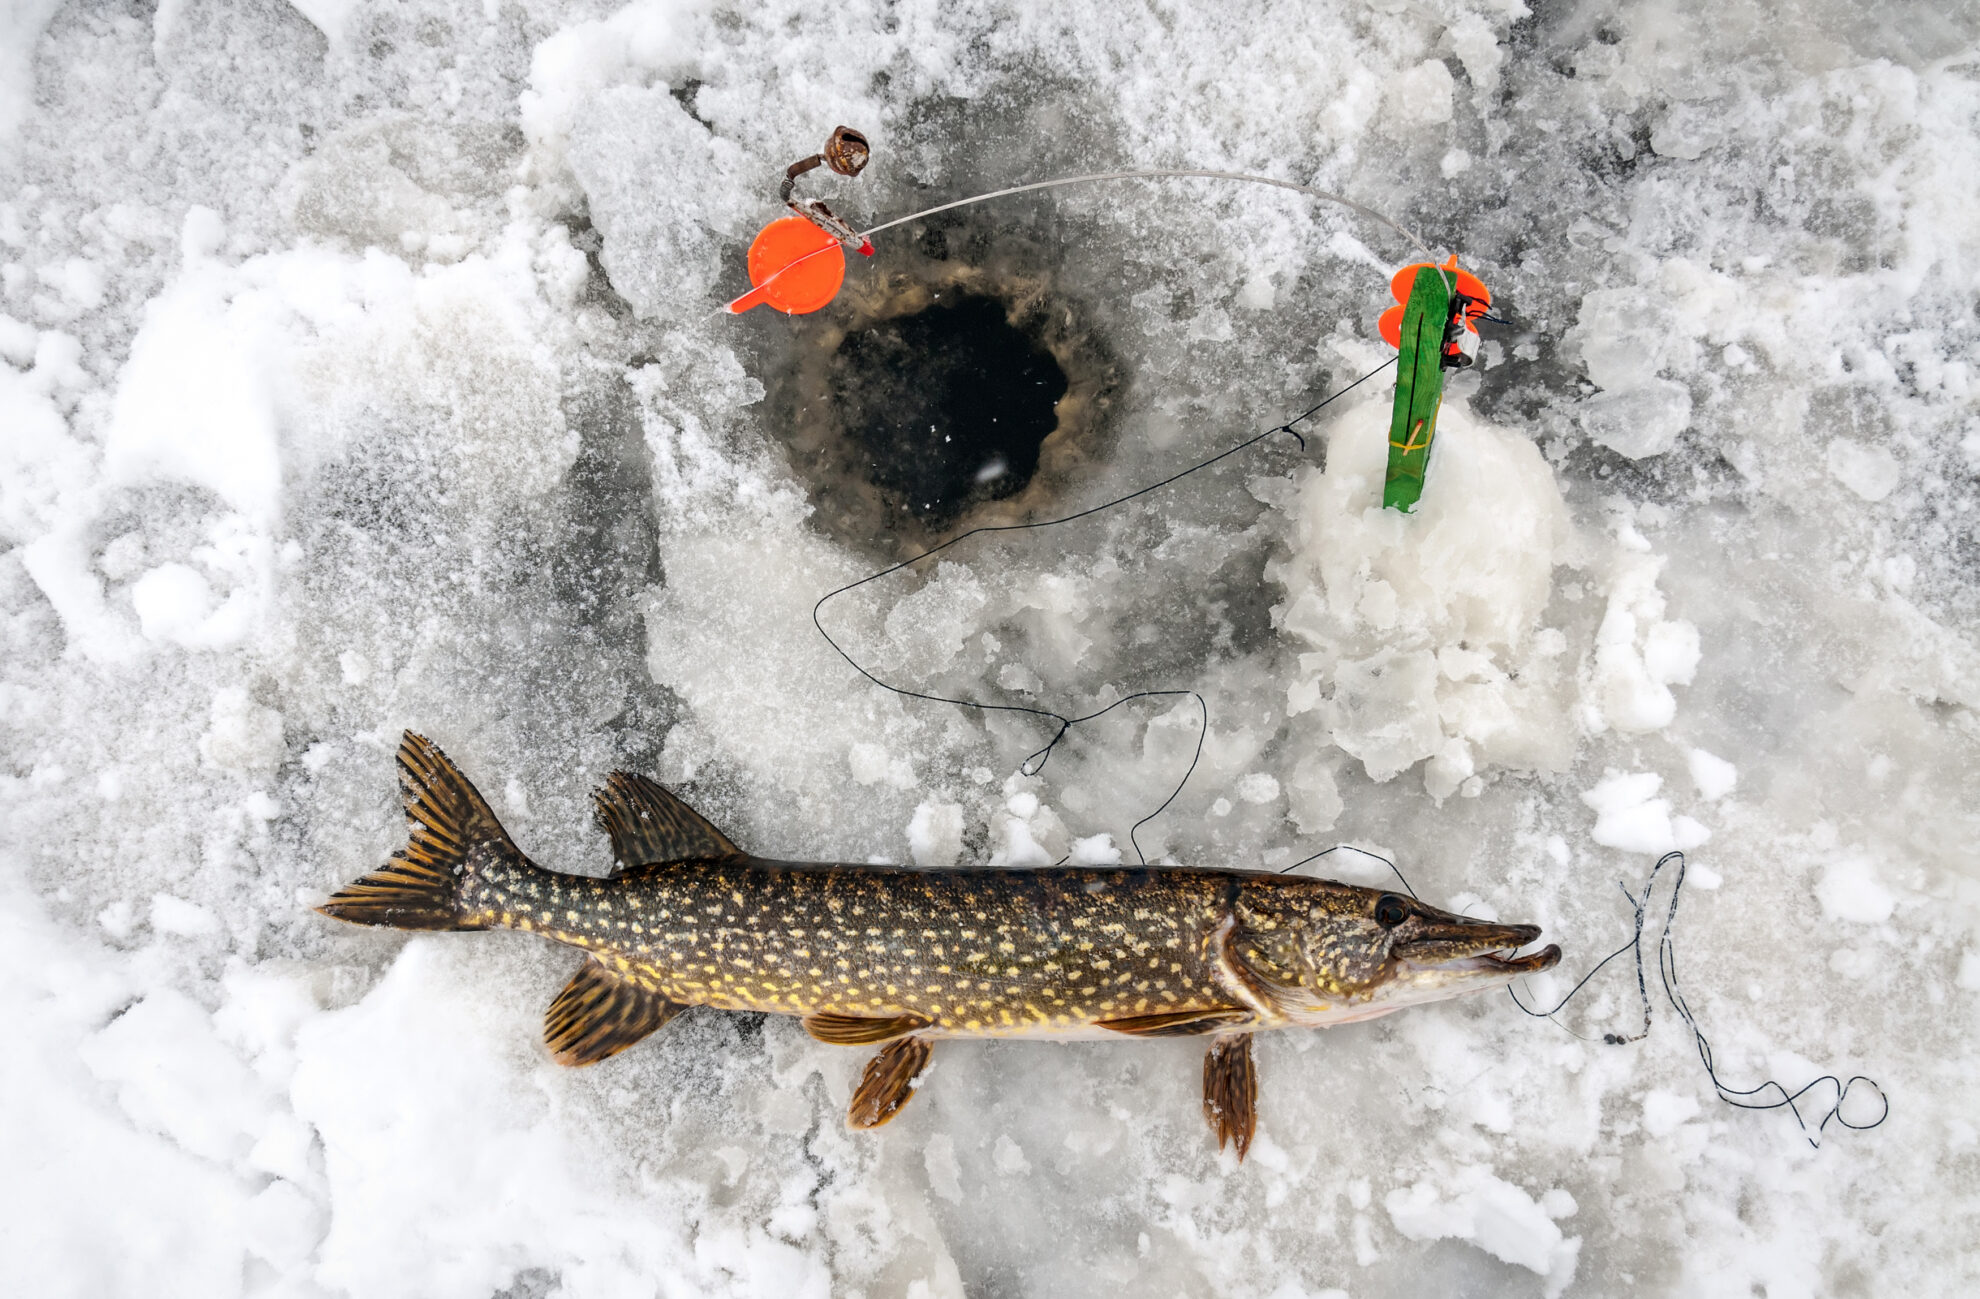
900	957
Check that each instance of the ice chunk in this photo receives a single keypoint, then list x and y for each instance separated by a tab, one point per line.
1423	94
1313	797
1477	47
871	764
172	601
1870	471
1850	890
194	402
1259	788
1386	602
1714	776
1009	1158
244	736
1670	652
1664	1112
170	915
1095	850
935	834
1639	654
1387	710
1630	817
1639	421
331	17
944	1173
1471	1204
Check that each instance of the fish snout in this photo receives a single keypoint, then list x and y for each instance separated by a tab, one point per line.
1449	940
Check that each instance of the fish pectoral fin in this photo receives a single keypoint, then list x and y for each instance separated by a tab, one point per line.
1176	1023
600	1013
888	1083
649	824
1230	1091
855	1030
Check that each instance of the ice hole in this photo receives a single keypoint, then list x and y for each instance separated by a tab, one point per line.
956	382
948	405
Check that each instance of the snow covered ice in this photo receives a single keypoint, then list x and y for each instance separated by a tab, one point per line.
362	368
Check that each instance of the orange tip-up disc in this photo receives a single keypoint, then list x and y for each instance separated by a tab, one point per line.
1463	284
796	267
1466	283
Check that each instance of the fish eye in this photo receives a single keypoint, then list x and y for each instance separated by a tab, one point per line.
1390	911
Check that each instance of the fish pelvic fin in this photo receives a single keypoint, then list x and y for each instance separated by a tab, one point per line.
453	834
857	1030
600	1013
648	824
889	1082
1230	1091
1177	1023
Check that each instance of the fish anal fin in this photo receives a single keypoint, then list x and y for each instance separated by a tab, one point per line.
1177	1023
648	824
600	1013
888	1083
1230	1091
856	1030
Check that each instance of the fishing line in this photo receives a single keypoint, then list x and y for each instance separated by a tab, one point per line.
1777	1094
1035	763
1348	847
1161	173
1156	173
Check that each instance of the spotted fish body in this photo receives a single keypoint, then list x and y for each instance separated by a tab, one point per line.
970	953
902	957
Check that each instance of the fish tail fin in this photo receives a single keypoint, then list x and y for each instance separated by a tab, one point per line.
453	836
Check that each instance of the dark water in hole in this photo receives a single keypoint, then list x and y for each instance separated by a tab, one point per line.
947	406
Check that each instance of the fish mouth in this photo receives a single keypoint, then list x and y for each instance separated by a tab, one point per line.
1462	946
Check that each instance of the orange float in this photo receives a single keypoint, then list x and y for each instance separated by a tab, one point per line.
1477	299
796	266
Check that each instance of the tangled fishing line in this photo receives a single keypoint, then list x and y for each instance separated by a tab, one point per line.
1767	1095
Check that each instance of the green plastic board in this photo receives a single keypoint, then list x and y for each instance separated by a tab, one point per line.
1419	389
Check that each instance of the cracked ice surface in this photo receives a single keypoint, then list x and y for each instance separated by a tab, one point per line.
360	368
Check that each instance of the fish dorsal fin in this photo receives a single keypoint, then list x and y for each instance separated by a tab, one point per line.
888	1083
856	1030
648	824
600	1013
1177	1023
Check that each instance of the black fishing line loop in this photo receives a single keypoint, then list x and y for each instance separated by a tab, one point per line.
1035	763
1739	1098
1348	847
